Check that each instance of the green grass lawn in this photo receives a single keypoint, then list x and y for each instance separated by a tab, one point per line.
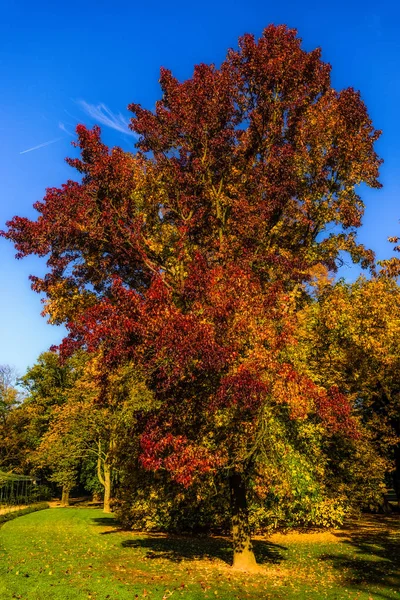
79	553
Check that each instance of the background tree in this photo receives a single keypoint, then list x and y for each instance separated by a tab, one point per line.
391	266
90	423
79	429
13	447
47	385
186	258
350	337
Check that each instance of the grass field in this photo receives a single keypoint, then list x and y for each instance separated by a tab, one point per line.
79	553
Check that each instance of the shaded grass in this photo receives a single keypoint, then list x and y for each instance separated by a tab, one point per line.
374	557
178	549
76	554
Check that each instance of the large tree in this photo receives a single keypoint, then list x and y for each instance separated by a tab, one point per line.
189	257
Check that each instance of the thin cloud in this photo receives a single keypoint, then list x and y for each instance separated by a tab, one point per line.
102	114
64	129
41	145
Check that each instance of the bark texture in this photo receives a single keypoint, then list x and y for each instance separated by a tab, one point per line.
65	496
104	476
396	472
107	487
243	555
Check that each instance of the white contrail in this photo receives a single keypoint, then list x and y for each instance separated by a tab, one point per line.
41	145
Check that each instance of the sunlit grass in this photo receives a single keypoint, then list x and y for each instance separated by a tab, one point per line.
71	554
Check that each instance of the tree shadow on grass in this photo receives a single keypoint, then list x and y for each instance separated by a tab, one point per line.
373	557
106	521
180	548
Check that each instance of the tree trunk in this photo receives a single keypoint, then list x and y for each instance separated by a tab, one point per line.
65	496
107	487
104	476
243	555
396	473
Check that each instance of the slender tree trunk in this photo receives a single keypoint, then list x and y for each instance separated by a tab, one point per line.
107	487
104	476
65	496
243	555
396	473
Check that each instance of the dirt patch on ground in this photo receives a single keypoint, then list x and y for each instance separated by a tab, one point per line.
294	537
83	502
54	504
367	524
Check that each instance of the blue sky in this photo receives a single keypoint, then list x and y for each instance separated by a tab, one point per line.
67	62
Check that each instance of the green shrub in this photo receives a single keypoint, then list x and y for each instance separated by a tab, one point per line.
41	493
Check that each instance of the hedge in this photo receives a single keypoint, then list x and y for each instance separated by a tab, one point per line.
24	511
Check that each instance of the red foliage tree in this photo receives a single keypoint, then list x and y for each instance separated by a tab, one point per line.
188	257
